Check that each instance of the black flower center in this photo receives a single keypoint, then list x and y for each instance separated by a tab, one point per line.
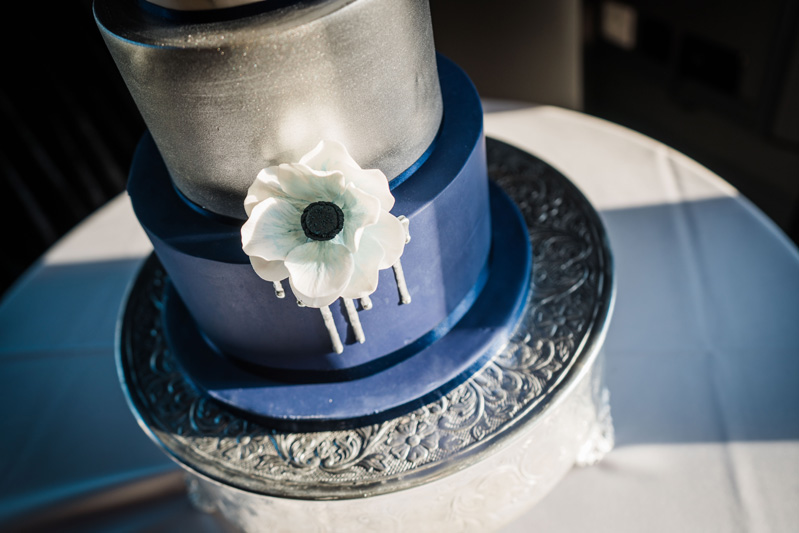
321	221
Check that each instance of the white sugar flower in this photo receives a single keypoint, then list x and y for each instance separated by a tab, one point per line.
324	224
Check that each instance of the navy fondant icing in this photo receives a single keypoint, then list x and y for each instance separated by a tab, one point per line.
446	201
430	372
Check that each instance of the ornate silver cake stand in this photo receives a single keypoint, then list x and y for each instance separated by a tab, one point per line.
471	461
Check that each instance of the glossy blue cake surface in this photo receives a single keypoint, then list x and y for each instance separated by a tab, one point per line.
393	384
446	263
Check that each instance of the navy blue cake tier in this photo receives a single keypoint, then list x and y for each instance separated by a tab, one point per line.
446	262
396	383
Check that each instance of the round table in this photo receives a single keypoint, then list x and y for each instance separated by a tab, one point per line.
702	358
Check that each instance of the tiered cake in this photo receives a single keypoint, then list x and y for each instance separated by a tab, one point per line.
227	93
348	327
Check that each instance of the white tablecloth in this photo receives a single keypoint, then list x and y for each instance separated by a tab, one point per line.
702	358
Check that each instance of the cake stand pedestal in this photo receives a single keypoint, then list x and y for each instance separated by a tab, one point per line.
472	460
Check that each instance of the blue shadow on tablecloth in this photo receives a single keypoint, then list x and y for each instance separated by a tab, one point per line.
704	342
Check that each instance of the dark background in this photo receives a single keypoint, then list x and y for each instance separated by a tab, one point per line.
716	80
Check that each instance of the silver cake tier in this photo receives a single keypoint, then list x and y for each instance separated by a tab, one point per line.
470	461
225	99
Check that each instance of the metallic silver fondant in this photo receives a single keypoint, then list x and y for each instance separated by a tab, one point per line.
224	99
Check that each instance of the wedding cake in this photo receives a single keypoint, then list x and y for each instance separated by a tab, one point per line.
314	182
346	325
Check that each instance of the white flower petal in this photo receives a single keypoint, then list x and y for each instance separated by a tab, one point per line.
273	230
319	269
390	233
269	270
329	155
265	186
304	183
373	182
332	155
367	266
310	301
360	210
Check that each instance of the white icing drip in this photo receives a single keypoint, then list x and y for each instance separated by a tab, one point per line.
279	292
366	303
405	296
327	316
355	322
405	223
